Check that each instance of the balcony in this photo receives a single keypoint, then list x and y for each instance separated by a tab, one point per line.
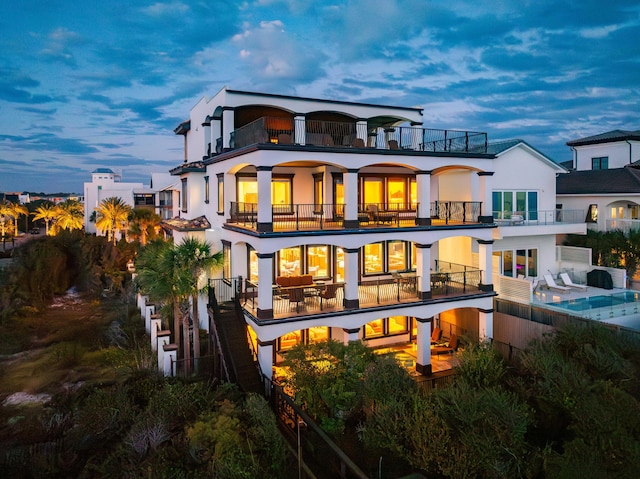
535	218
314	217
333	134
400	288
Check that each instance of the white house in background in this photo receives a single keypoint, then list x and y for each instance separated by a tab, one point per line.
161	196
355	221
605	181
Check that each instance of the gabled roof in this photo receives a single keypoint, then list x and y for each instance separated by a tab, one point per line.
200	223
608	137
182	128
594	182
196	166
102	170
498	148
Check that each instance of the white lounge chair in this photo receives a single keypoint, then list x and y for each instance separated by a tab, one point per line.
551	284
568	282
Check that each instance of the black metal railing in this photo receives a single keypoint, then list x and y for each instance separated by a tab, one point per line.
456	211
351	134
307	216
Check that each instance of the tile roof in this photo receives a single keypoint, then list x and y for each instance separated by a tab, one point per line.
608	137
617	180
180	224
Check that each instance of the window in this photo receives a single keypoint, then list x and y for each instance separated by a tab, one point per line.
183	198
289	262
397	193
521	262
226	259
397	256
247	189
253	266
318	261
306	336
373	189
592	214
388	257
220	193
206	189
281	191
386	327
339	276
600	163
373	258
318	187
338	189
505	203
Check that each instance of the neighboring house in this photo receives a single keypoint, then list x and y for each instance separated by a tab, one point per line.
161	196
605	181
353	221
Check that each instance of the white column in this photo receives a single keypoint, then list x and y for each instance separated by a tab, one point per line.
350	181
156	326
142	302
351	335
423	342
300	129
149	310
228	125
486	196
164	338
265	217
170	356
351	263
423	270
265	288
423	192
361	130
485	263
265	357
485	323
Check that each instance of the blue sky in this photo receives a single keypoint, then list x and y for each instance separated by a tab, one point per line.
88	84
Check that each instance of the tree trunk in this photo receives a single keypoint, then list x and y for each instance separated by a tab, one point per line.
186	342
196	327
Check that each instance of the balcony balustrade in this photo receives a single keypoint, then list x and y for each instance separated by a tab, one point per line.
538	217
337	134
312	217
399	288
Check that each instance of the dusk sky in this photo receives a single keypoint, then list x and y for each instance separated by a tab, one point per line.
90	84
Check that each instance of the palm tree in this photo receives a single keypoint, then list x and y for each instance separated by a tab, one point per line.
141	221
159	275
17	210
112	215
69	215
5	212
47	212
197	258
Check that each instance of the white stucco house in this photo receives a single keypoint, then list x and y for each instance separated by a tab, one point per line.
356	221
161	195
605	180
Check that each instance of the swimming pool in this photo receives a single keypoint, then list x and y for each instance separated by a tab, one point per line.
600	301
621	308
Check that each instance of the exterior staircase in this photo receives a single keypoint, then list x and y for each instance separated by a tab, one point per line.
235	350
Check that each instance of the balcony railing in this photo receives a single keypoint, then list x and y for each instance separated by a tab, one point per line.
456	211
310	217
399	288
354	135
538	217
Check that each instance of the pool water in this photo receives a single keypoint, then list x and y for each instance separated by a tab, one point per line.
595	302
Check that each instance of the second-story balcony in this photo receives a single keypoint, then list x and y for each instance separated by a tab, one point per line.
401	288
335	134
313	217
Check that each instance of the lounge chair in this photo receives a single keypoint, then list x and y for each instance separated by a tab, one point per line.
568	282
436	335
451	347
551	284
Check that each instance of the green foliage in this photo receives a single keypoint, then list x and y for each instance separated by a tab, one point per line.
326	378
614	249
480	366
